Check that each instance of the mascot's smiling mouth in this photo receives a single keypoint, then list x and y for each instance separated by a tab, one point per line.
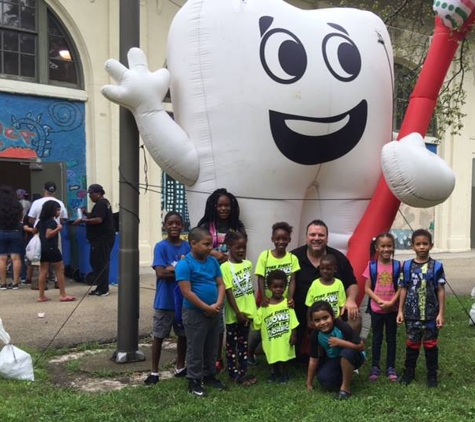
318	149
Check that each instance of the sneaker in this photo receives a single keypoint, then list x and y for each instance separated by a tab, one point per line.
16	286
283	379
251	360
9	286
432	381
98	293
343	395
214	382
27	281
23	281
151	379
180	373
374	374
195	388
391	374
3	287
407	377
273	378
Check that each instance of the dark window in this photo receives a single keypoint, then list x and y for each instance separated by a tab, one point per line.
405	79
35	46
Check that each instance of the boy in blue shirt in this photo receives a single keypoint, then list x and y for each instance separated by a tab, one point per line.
167	253
201	283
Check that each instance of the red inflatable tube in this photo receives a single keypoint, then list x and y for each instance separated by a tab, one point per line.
383	206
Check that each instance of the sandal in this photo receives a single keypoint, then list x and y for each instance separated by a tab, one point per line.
43	299
67	299
248	380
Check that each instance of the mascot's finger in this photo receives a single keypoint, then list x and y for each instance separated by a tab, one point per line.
115	69
161	80
137	59
113	93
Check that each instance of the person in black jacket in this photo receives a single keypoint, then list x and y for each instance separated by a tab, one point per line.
100	231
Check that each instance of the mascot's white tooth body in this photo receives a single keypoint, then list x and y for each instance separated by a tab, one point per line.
275	104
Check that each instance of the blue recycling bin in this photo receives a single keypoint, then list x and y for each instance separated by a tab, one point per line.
66	245
84	252
114	261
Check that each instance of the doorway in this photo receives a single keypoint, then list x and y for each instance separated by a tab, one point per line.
31	176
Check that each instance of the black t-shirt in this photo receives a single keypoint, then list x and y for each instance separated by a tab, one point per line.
308	273
42	226
102	208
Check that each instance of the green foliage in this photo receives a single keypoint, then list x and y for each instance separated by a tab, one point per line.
168	400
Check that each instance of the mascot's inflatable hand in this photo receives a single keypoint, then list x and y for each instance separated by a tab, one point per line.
454	13
416	176
142	92
138	89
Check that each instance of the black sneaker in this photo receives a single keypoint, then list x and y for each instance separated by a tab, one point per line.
214	382
3	287
179	373
152	379
407	377
284	379
98	293
432	381
195	388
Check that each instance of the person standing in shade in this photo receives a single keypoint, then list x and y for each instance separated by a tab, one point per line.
100	232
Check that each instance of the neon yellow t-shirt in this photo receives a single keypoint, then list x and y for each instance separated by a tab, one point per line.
237	277
334	294
267	262
276	323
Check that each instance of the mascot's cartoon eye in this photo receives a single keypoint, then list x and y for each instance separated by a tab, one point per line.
283	56
341	57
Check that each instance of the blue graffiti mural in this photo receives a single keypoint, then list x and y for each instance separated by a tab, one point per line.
51	129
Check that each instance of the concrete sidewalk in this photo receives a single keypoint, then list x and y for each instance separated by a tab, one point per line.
94	319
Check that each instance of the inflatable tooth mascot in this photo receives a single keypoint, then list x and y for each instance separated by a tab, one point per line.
289	110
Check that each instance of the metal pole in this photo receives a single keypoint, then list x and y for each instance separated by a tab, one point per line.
128	315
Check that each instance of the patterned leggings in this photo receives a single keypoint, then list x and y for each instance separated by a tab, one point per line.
236	349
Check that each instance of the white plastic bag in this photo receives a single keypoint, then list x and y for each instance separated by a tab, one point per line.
14	362
33	249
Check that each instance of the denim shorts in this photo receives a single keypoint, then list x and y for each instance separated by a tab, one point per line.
11	242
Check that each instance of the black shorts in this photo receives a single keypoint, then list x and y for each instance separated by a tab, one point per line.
51	254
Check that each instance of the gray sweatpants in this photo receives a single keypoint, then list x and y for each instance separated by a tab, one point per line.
202	335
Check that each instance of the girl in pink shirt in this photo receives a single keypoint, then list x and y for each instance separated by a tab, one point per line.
382	274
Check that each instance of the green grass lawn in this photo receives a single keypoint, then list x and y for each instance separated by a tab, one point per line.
454	400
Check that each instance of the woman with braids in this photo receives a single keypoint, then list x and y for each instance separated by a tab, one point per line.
11	236
221	216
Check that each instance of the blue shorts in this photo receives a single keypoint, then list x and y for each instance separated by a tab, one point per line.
11	242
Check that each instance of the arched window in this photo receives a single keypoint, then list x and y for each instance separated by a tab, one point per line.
35	46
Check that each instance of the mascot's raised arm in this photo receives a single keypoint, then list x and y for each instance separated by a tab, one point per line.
289	110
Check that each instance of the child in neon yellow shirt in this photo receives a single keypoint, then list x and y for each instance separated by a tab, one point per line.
240	307
277	323
327	288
